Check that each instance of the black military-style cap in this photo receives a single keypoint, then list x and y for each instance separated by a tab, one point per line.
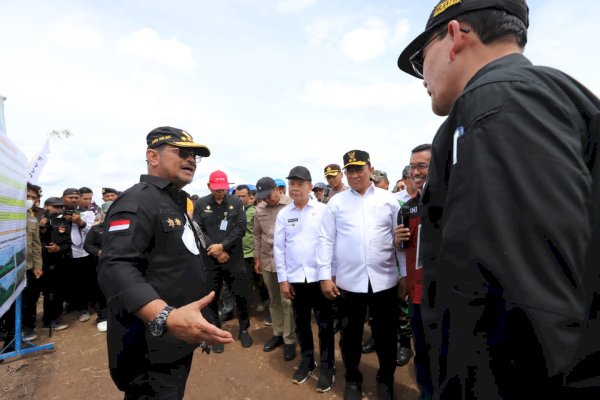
299	172
54	202
447	10
175	137
264	187
110	190
356	157
70	191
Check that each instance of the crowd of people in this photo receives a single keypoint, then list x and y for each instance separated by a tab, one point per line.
475	263
64	239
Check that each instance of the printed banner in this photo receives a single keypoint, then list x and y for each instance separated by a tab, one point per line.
13	240
2	124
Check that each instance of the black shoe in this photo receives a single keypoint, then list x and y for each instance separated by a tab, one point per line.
385	391
306	368
218	348
326	379
368	346
245	339
352	391
289	351
273	343
403	356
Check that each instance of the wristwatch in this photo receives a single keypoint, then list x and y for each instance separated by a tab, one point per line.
158	326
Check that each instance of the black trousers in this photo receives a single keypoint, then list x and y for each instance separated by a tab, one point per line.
160	381
237	278
421	360
53	283
31	294
309	297
258	283
83	283
383	309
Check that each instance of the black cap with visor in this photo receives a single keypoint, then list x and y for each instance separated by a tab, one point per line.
445	11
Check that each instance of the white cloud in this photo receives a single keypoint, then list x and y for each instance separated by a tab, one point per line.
400	32
74	31
326	32
290	6
367	42
359	42
146	44
377	95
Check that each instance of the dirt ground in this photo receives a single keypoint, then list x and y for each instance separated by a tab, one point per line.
77	369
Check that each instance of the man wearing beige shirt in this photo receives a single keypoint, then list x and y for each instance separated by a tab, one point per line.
264	226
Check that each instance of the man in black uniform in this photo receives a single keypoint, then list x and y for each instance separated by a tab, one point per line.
153	275
55	235
223	220
510	262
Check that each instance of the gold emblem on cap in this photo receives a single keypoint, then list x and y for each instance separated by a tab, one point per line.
443	6
351	156
171	223
177	222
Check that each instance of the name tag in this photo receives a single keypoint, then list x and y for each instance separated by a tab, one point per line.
457	134
292	220
223	225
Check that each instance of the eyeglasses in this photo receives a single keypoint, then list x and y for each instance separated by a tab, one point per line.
421	167
417	59
184	154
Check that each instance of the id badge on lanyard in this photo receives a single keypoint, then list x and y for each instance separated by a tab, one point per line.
223	225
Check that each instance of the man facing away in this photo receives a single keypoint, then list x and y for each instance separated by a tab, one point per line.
510	262
152	272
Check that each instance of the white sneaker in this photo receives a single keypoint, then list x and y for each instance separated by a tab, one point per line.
102	326
84	316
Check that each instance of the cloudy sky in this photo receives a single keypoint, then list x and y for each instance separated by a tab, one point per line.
265	84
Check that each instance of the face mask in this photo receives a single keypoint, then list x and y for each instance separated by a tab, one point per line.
28	203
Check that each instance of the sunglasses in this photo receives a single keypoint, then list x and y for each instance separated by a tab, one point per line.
184	154
417	59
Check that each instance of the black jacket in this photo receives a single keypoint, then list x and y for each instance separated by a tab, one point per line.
510	217
210	217
144	258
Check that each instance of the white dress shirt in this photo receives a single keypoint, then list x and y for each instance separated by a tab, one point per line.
295	248
358	232
78	234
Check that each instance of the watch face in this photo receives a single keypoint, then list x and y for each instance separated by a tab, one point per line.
155	328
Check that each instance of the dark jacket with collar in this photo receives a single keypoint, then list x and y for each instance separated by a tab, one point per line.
510	218
211	216
144	258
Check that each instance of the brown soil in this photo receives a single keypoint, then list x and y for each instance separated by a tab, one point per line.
77	369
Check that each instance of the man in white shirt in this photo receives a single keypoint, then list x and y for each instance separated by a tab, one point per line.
296	234
82	279
357	232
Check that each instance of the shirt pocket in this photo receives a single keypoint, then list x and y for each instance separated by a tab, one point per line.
173	225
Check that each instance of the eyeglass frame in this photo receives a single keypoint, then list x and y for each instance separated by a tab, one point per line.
418	167
187	153
417	65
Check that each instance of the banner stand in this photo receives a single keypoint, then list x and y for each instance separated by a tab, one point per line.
22	347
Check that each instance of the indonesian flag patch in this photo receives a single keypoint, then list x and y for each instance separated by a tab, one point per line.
119	225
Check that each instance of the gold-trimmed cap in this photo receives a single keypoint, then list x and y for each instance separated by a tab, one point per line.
175	137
